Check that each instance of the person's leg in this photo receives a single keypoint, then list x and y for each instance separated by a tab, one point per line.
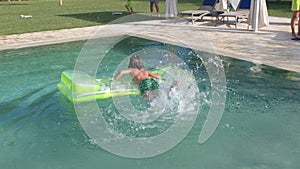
157	7
298	23
126	6
294	16
151	8
131	10
130	6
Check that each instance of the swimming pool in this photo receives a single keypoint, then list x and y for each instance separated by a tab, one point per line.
39	127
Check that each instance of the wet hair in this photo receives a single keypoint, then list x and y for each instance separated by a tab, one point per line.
136	62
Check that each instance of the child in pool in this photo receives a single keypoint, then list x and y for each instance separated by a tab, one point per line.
141	77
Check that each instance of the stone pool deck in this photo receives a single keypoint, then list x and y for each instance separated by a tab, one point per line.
271	45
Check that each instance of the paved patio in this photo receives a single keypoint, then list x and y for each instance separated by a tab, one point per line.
272	45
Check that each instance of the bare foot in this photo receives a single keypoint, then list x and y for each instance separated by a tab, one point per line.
175	83
149	96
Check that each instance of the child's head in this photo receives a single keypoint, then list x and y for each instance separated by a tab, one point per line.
136	62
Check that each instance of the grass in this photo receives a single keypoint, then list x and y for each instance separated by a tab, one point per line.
280	8
48	15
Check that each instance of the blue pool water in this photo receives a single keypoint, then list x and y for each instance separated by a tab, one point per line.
39	127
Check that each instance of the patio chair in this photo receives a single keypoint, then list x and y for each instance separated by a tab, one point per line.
207	8
242	13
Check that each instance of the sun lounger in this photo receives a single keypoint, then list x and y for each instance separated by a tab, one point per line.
206	8
242	13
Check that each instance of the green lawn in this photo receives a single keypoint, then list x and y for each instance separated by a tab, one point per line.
48	15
